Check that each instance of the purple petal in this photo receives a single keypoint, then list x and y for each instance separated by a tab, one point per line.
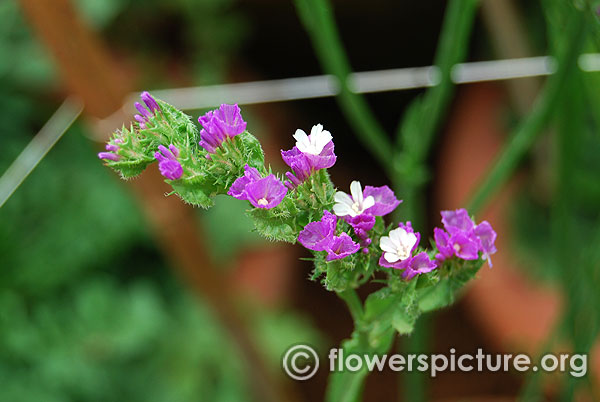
457	221
464	246
109	156
324	160
341	246
165	151
294	181
401	264
174	150
141	120
419	264
486	236
266	193
143	111
318	235
229	120
150	101
361	224
170	169
385	200
442	242
238	188
112	147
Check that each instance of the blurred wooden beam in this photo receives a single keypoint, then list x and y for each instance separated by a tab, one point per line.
89	72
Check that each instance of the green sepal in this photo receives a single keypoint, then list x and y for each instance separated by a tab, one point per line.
129	168
252	151
194	190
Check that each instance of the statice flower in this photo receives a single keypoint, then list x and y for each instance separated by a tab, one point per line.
111	149
220	124
168	164
398	248
311	153
320	236
463	238
146	113
262	192
360	208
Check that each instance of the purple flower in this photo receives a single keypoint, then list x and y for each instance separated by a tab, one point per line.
487	237
311	153
238	188
385	200
147	112
320	236
111	148
463	238
220	124
457	221
419	264
341	246
168	164
262	192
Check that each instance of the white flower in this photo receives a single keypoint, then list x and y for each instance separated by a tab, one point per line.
315	142
398	245
352	205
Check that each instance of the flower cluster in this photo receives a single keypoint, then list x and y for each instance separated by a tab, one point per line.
463	238
223	158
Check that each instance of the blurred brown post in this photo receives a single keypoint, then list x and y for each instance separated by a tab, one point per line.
89	73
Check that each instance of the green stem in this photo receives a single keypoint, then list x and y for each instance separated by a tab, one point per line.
527	132
354	304
318	19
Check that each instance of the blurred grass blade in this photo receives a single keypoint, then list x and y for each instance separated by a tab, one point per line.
39	146
318	19
526	133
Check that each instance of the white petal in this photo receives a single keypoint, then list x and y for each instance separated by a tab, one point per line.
396	236
319	137
409	240
386	244
356	191
342	197
302	141
368	202
391	257
343	209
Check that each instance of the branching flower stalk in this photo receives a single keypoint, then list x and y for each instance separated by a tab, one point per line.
346	232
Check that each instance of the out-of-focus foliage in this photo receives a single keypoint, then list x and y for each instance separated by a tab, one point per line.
88	309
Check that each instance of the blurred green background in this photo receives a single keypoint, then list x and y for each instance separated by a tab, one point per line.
90	310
